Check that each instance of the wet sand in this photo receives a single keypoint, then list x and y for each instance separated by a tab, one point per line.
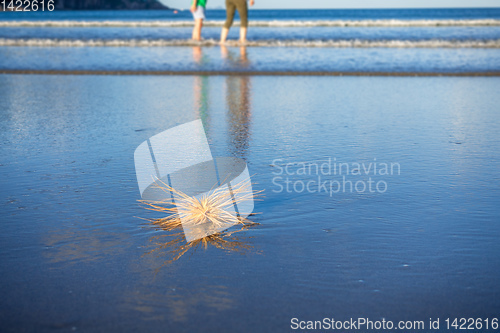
75	255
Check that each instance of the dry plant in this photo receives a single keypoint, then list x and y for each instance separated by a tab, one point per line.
211	207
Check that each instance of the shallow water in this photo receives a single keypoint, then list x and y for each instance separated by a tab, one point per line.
312	33
265	59
395	41
73	249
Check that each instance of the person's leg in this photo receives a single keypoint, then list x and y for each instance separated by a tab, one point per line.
198	24
230	8
243	11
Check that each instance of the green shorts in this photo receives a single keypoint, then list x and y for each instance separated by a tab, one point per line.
242	7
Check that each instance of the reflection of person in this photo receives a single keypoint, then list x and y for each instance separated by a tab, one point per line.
238	99
197	54
231	7
229	57
198	10
201	98
200	88
243	56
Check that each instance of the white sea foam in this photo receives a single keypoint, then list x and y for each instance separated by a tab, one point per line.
354	43
259	23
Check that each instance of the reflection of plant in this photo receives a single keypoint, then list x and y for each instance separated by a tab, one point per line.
211	208
177	248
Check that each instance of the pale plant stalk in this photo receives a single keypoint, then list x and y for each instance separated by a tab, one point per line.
210	208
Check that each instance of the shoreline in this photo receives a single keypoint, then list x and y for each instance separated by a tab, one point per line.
245	73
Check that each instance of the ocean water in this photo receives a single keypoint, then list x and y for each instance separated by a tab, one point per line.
424	40
75	253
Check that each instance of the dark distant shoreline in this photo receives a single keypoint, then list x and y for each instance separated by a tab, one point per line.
107	5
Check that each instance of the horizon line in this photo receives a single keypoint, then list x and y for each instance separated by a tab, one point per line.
361	8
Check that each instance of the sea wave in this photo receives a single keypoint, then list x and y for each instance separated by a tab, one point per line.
259	23
354	43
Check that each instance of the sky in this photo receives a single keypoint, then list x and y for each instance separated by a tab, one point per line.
296	4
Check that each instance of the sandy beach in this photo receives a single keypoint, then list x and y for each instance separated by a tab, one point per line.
74	252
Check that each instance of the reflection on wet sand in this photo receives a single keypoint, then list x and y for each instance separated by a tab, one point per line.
197	54
181	304
173	244
238	99
233	60
74	246
200	88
